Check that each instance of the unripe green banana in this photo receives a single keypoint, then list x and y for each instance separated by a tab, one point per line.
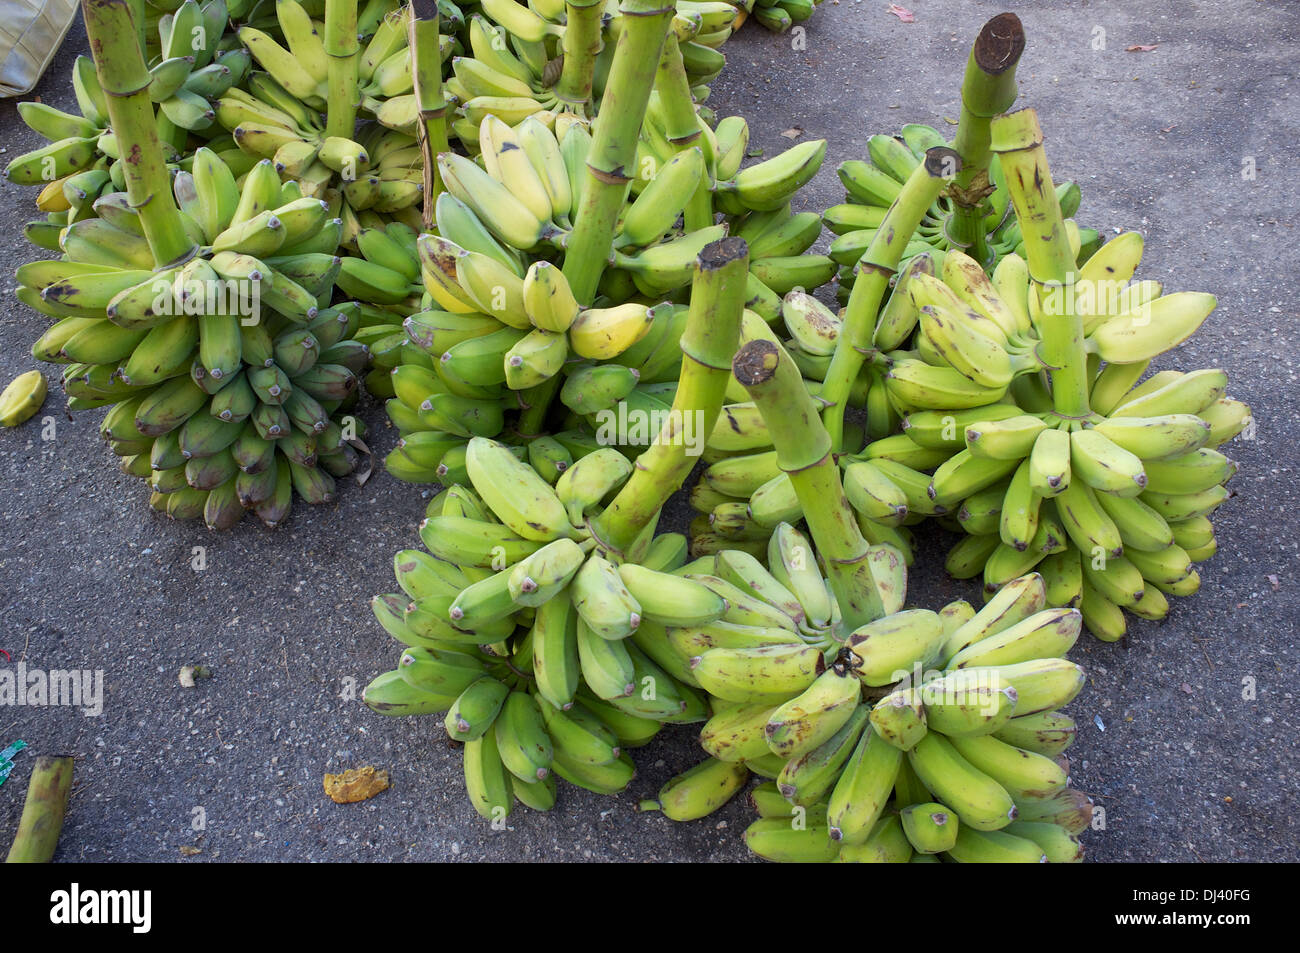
757	674
994	847
540	577
522	740
980	802
475	709
930	827
888	649
390	694
671	599
1045	733
699	791
516	494
863	789
815	714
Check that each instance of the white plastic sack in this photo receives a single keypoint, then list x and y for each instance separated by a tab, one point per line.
30	34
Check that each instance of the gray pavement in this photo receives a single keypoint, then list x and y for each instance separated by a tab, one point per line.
1197	760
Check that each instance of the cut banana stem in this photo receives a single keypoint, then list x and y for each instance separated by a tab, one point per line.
804	451
1018	140
426	70
581	44
47	799
682	126
988	89
342	48
613	151
879	264
125	78
712	331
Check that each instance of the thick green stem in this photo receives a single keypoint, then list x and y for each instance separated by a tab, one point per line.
427	72
42	820
988	89
879	263
1018	141
709	341
613	149
141	28
342	47
125	79
581	46
682	126
536	403
804	451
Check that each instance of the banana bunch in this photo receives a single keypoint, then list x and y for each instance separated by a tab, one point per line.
872	184
198	61
756	201
778	16
384	75
504	75
518	58
921	733
73	168
1112	508
227	374
742	494
555	649
498	344
277	117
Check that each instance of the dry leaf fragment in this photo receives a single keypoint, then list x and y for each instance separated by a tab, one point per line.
188	851
355	784
1140	48
903	14
794	132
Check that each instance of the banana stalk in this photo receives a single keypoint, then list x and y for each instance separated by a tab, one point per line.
342	47
427	71
120	65
712	332
804	451
682	126
581	46
1018	140
141	28
988	89
47	799
613	151
878	264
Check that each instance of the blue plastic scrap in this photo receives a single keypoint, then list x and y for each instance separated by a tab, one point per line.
6	758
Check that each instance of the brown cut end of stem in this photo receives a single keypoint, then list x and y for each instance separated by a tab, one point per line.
1000	44
942	162
756	362
718	254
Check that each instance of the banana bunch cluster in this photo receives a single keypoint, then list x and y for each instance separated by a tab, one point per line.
518	58
465	373
384	77
742	494
920	734
778	16
198	61
872	184
1113	507
756	202
278	117
225	373
513	624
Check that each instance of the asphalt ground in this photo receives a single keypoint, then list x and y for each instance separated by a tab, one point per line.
1187	727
